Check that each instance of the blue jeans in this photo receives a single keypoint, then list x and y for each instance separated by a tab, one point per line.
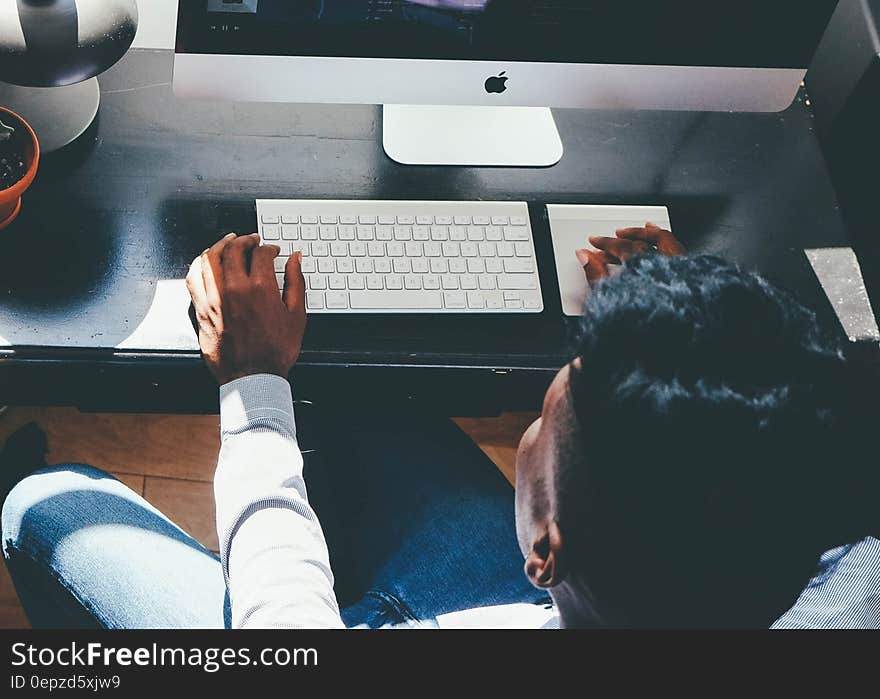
418	522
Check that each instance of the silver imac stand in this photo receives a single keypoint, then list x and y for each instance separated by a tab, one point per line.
471	136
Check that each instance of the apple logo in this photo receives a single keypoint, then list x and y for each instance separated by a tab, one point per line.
497	84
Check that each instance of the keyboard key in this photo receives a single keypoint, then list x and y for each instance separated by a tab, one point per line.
517	282
366	233
280	279
468	282
308	219
393	282
376	249
357	249
374	282
494	265
421	233
513	305
451	250
463	220
367	220
315	300
487	282
412	281
457	265
348	220
337	300
476	266
309	265
394	249
475	300
431	281
458	233
289	218
269	218
403	233
512	233
440	233
500	221
450	281
356	282
364	266
495	233
487	249
280	264
326	218
406	220
469	250
454	299
326	265
402	265
383	265
424	220
320	249
284	248
439	266
387	220
347	232
336	282
413	249
433	250
523	249
519	265
339	249
271	233
532	301
317	282
494	301
309	232
444	220
345	265
482	220
518	221
328	233
506	250
290	232
397	300
420	265
385	233
476	233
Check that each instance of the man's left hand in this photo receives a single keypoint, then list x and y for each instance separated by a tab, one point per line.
245	326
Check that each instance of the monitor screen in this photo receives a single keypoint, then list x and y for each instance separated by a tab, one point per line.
738	33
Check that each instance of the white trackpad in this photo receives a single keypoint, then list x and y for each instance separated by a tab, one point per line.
571	226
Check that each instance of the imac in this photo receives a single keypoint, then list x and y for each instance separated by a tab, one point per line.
470	82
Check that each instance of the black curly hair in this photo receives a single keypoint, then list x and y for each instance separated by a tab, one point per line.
716	455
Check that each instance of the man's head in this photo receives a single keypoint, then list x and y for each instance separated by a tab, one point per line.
686	469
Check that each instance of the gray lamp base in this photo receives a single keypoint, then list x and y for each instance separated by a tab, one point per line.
58	115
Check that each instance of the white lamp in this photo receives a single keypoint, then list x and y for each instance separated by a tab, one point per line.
50	53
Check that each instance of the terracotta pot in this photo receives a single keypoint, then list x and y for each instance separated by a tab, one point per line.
10	198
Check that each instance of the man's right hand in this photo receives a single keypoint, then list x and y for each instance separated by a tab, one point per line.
629	243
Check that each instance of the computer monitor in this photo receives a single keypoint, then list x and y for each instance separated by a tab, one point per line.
444	68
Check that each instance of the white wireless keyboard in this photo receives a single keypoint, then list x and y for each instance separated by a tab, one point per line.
407	256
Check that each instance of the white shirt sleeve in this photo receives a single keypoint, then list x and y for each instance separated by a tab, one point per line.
272	548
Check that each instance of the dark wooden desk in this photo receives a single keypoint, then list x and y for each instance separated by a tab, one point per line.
91	309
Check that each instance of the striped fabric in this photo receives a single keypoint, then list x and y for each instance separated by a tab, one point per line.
844	593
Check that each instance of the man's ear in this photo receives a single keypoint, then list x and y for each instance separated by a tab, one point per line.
544	564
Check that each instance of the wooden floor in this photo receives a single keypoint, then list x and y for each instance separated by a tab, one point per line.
170	460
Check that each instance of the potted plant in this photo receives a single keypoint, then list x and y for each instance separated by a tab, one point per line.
19	159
